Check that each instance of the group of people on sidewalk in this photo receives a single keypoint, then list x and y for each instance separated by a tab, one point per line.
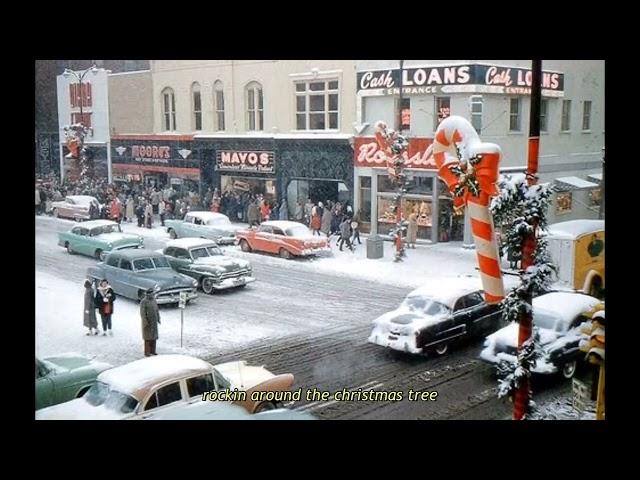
102	299
334	219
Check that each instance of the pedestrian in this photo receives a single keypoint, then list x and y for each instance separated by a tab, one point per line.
316	218
94	210
37	200
345	233
105	296
115	210
155	201
299	213
265	211
327	219
90	320
161	208
284	210
308	210
148	215
412	229
43	201
140	213
355	226
150	315
129	209
253	214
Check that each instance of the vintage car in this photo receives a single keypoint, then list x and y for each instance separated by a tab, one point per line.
96	237
433	316
558	316
211	225
65	377
287	239
74	206
155	385
228	411
132	272
203	260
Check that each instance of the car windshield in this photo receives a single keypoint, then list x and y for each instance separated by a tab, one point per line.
218	221
546	320
101	394
143	264
105	229
161	262
297	231
428	306
209	251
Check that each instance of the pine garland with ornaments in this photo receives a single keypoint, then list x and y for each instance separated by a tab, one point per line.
75	136
522	208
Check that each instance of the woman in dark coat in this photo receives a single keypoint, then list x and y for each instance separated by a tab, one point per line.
150	315
105	296
90	320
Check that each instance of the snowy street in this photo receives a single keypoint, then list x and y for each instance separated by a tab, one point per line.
309	317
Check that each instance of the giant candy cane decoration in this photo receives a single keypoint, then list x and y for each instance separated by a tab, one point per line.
470	169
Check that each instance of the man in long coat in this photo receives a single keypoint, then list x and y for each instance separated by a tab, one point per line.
150	315
90	320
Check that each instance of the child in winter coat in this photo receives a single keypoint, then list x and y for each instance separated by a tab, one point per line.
105	296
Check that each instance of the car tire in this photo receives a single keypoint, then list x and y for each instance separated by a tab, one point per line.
99	254
172	234
54	212
569	369
69	249
265	407
82	392
441	349
244	246
207	285
284	253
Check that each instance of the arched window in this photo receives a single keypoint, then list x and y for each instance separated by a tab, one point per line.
169	109
218	101
255	115
196	102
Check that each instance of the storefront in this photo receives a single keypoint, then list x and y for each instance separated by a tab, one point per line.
156	160
425	196
279	167
97	155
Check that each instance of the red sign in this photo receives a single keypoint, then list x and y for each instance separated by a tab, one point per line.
367	154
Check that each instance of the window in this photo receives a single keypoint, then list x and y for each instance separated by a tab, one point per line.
317	105
442	110
196	386
264	229
514	115
476	113
170	251
197	106
586	115
126	265
563	202
255	113
595	197
544	105
160	262
218	99
277	231
405	114
460	305
164	396
77	231
169	109
365	199
566	116
181	253
473	299
112	260
143	264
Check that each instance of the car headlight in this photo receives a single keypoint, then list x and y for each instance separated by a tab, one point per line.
140	240
109	245
194	282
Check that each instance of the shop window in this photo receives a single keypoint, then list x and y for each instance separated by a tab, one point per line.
169	109
566	116
544	106
476	113
405	114
197	106
255	112
514	114
317	105
365	199
563	202
218	97
586	116
595	197
420	185
442	110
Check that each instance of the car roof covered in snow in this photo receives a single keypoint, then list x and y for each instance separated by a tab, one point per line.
448	289
283	224
134	253
82	198
190	242
139	377
567	305
575	228
207	215
96	223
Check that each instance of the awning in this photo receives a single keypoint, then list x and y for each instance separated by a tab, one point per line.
573	183
595	177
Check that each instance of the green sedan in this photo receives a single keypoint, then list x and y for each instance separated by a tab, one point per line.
65	377
98	237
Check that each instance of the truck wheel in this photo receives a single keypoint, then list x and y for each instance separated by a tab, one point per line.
569	369
244	245
172	234
284	253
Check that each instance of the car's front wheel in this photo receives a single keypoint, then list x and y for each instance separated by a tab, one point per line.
99	254
442	349
284	253
69	249
244	245
207	285
173	234
265	407
569	369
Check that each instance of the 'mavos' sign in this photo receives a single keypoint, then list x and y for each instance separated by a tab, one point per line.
245	161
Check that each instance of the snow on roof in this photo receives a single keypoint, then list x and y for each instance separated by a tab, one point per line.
567	305
133	253
82	198
575	228
576	182
138	377
447	290
189	242
595	177
207	215
283	224
97	223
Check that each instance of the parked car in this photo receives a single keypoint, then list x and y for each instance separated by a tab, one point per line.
433	316
158	384
96	237
203	260
558	316
211	225
74	206
287	239
132	272
64	377
228	411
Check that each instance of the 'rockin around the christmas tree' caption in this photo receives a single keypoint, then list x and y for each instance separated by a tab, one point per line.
315	395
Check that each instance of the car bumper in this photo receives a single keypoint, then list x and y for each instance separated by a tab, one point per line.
233	283
165	299
314	251
226	240
402	343
131	245
543	366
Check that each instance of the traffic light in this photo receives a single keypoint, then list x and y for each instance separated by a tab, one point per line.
593	338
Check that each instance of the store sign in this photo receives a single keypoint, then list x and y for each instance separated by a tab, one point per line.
245	161
151	153
458	79
368	154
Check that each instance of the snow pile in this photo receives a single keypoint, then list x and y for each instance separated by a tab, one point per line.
562	409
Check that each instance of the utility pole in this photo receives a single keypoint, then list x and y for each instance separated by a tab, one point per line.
522	394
